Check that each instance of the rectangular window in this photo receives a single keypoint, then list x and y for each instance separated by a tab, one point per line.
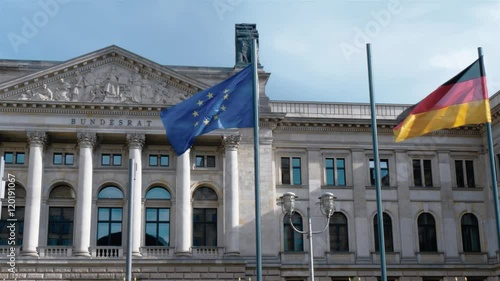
63	159
157	227
291	174
60	226
335	171
422	172
111	159
158	160
464	173
205	161
5	232
384	172
109	227
14	157
205	227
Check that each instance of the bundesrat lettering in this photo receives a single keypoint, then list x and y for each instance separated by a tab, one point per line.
110	122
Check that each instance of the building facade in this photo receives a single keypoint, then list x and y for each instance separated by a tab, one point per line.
67	130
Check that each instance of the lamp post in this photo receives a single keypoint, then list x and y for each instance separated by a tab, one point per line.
327	206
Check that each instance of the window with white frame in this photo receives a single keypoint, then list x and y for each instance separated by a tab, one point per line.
109	217
159	160
422	172
464	173
111	159
204	161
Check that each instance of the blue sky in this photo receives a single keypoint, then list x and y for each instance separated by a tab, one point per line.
314	49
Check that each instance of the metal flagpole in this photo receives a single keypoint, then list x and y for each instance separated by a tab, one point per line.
256	161
377	168
491	152
131	179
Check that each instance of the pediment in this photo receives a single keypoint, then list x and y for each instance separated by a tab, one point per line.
108	76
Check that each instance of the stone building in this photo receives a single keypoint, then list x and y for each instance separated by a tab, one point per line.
67	130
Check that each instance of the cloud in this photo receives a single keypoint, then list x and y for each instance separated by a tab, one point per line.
454	59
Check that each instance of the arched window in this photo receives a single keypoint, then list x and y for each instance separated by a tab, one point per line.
61	216
205	217
294	241
17	195
427	240
389	247
109	218
157	217
470	233
339	240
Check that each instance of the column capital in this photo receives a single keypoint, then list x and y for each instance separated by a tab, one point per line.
231	142
86	139
136	140
36	138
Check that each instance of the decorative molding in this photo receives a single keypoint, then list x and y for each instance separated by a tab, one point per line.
86	139
231	142
36	138
136	141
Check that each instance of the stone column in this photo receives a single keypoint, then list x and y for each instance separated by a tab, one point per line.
183	217
448	208
231	196
318	221
86	141
36	142
406	218
135	143
362	223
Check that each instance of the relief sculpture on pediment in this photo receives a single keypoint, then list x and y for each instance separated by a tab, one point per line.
108	84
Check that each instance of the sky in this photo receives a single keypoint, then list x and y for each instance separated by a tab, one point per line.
315	50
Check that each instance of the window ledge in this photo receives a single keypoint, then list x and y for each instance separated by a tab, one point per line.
291	186
477	188
294	257
430	257
474	257
337	187
382	187
391	257
425	187
340	257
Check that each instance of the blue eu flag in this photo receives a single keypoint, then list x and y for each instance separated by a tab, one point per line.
228	104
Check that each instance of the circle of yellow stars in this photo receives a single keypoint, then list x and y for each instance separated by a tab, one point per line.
200	103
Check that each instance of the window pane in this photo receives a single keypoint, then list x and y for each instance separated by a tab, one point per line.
164	234
8	157
330	177
200	161
459	173
204	193
151	214
417	173
110	192
341	172
469	168
105	160
285	170
116	214
428	172
164	161
211	161
117	160
69	159
153	160
164	214
58	159
102	230
158	193
296	171
103	214
20	158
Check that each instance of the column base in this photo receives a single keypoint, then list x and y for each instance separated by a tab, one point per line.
136	254
81	254
183	254
29	253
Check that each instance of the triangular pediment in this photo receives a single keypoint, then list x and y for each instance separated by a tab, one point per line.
110	76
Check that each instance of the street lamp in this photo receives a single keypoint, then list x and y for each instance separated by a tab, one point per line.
327	206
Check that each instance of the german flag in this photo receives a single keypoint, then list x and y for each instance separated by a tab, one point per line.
460	101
